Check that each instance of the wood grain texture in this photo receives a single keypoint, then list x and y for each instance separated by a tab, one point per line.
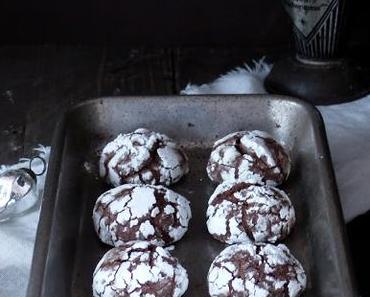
65	76
17	80
44	81
136	71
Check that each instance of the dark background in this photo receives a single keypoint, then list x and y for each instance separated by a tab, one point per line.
251	23
56	53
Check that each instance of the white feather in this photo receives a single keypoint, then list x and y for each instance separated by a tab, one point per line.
242	80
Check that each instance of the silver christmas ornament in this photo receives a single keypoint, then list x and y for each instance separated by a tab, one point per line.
18	191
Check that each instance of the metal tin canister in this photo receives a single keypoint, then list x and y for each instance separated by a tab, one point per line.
317	26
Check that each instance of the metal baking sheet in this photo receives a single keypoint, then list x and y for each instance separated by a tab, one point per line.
67	248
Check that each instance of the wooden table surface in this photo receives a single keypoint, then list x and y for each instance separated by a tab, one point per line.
37	83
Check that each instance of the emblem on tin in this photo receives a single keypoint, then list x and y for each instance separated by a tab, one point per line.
307	14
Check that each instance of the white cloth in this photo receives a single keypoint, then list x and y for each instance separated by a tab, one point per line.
347	126
17	237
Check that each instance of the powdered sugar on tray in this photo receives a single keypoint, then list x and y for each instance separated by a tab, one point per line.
141	212
249	155
139	269
260	270
243	212
143	157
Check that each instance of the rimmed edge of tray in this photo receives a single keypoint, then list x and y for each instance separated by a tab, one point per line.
41	247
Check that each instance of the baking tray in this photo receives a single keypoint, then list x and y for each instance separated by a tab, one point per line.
67	248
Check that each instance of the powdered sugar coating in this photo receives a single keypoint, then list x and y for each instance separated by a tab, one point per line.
139	269
250	156
243	212
141	212
256	270
143	157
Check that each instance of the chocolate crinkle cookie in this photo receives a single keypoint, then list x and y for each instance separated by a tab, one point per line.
139	269
256	270
143	157
141	212
249	155
242	212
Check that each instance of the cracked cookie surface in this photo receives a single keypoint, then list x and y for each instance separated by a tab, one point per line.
139	269
141	212
142	157
243	212
251	156
256	270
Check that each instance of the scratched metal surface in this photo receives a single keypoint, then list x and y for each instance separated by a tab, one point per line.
67	248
